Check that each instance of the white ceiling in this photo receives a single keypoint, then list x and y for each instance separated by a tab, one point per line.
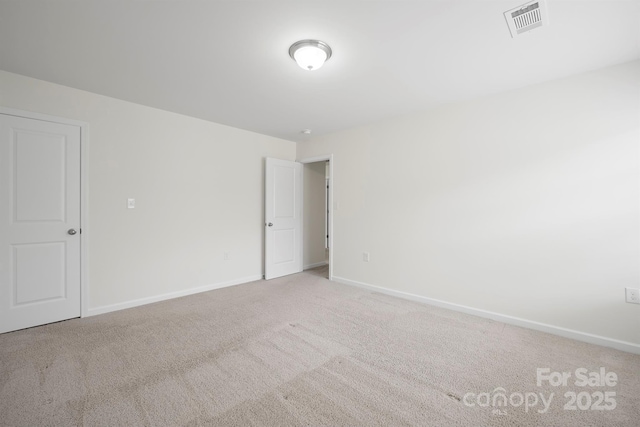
227	61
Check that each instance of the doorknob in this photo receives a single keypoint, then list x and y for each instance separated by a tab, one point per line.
72	231
270	224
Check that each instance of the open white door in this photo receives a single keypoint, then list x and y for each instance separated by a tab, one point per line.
283	218
39	222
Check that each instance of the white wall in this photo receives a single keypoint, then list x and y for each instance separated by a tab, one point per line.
524	203
314	216
198	188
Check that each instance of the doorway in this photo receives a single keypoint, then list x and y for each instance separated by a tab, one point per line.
317	229
285	238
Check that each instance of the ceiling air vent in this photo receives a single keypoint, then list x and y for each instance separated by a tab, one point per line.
527	17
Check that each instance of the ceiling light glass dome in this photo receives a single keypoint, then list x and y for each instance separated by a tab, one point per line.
310	54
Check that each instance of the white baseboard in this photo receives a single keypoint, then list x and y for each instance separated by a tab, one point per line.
543	327
170	295
317	264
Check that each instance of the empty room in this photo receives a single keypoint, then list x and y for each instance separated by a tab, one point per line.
319	213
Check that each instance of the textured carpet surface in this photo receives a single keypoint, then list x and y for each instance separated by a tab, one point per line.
303	351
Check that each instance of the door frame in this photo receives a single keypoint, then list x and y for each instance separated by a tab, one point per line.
84	194
332	183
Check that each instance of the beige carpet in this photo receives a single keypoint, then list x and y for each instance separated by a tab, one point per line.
301	351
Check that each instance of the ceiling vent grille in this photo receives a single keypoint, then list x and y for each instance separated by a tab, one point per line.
527	17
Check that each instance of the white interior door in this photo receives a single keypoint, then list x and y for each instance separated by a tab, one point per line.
283	217
39	222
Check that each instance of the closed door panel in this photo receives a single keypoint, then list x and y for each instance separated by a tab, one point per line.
39	222
45	283
284	245
283	214
284	191
39	172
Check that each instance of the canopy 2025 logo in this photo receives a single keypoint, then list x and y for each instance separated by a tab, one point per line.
600	399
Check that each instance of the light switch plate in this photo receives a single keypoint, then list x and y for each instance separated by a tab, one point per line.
632	295
131	203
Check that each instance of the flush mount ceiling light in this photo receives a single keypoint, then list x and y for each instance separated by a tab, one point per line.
310	54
